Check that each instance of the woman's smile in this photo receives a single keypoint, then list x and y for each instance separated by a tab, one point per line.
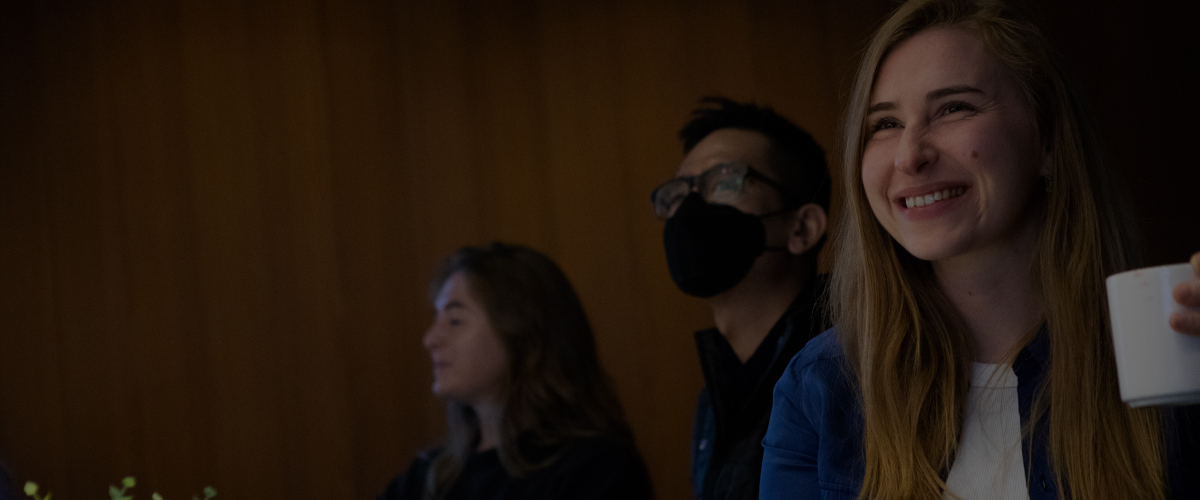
929	199
951	155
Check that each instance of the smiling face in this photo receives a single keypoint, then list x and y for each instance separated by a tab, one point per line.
469	361
952	156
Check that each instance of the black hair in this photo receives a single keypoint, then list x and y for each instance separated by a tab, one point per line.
797	160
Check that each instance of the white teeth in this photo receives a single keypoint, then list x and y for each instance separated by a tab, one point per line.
936	196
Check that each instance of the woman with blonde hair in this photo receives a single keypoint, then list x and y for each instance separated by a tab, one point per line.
531	413
971	356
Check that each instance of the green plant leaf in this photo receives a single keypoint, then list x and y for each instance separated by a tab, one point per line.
31	488
155	496
114	493
129	482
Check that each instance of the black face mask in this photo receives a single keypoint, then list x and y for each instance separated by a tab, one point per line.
710	247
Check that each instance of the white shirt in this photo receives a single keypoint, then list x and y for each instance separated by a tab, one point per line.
989	464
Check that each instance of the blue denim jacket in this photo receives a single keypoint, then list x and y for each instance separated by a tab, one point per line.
813	447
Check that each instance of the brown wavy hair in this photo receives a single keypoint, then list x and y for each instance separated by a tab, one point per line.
903	339
555	389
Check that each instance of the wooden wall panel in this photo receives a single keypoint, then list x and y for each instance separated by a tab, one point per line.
218	218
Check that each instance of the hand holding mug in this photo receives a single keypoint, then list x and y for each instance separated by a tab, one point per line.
1156	335
1187	294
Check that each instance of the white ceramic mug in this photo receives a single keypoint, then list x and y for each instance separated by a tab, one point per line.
1155	364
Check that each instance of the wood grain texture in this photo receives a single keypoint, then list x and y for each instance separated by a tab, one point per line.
218	218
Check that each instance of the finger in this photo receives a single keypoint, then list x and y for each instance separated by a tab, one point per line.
1185	322
1187	293
1196	264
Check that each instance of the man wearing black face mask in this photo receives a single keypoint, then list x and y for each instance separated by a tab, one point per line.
745	216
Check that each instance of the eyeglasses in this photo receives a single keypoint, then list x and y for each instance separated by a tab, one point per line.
719	184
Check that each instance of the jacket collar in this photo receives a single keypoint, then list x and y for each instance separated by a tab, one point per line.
789	334
1032	359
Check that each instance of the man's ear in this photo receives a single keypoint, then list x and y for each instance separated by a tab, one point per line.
807	228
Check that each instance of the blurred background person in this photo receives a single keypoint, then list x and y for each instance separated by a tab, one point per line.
530	412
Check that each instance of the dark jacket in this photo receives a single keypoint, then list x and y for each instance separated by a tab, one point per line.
814	445
7	492
592	468
733	409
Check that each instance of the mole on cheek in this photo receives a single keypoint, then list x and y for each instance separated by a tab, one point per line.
974	154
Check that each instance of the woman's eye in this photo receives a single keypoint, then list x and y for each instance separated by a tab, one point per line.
454	321
955	107
884	124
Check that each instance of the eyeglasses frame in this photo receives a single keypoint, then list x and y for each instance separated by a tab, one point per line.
790	198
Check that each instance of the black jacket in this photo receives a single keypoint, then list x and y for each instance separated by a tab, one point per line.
590	468
735	405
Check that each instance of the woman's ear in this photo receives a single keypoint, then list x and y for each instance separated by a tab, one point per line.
808	227
1047	160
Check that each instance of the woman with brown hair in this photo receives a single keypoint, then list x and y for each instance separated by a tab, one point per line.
971	356
530	412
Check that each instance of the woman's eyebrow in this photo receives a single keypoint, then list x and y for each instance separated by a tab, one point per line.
881	106
931	96
952	90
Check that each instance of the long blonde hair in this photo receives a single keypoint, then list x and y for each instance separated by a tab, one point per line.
905	343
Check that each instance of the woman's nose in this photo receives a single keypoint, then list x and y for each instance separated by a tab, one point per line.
914	152
431	338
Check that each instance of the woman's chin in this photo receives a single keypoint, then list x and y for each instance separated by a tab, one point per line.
441	391
931	250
